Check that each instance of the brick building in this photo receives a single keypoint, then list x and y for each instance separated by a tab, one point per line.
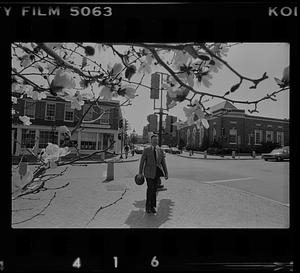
234	129
48	114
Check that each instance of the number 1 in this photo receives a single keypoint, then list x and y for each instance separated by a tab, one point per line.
116	261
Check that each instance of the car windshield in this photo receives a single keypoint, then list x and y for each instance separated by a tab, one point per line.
276	151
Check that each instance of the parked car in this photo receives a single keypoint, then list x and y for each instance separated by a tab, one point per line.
174	150
138	149
165	148
278	154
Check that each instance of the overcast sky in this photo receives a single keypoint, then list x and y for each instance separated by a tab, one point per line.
250	60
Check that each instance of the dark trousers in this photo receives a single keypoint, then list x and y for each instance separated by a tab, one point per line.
151	190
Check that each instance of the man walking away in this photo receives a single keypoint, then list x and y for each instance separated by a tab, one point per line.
153	166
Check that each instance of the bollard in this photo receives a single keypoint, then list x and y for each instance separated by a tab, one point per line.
22	169
233	154
253	154
205	154
110	171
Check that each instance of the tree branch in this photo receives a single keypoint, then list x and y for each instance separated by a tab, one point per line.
100	208
40	213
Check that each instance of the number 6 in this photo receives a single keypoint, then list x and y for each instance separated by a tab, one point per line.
154	262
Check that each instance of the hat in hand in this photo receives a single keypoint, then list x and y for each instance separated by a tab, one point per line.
139	179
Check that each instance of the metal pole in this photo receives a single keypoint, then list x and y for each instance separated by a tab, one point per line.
160	127
160	115
121	143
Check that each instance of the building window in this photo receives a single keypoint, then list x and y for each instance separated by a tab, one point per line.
257	137
29	109
69	112
214	134
105	117
269	136
28	138
47	137
201	134
89	115
233	122
106	140
280	138
50	111
188	134
233	136
88	141
194	136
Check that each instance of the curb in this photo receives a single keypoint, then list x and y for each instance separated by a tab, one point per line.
218	158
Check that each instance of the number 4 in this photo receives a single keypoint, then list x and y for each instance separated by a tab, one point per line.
77	263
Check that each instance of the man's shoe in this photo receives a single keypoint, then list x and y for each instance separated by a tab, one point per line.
148	210
161	188
153	210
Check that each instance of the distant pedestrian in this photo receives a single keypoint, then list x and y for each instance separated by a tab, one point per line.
153	166
132	150
126	149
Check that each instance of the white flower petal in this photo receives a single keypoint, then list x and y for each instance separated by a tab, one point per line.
205	123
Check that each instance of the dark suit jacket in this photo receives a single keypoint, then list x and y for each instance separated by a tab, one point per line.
148	165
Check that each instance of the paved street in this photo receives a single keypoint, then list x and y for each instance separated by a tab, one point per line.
200	194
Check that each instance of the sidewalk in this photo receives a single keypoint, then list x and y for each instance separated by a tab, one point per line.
200	155
185	204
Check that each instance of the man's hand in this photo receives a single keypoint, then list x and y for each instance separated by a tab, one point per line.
166	177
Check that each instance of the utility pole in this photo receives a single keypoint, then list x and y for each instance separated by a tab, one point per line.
161	110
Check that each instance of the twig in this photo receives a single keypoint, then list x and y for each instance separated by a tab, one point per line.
17	210
100	208
40	213
67	184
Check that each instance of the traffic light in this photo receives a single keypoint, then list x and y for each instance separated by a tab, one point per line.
126	125
121	123
155	79
152	119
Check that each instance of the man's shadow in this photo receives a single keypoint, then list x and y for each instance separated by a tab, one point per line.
140	219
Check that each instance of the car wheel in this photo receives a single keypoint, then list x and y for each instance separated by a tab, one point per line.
266	159
279	158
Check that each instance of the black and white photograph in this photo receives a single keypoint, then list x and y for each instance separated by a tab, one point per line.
150	135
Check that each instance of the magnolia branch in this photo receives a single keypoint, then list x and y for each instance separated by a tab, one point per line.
100	208
64	63
39	213
255	81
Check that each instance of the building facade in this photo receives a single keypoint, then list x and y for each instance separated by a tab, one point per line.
48	114
232	128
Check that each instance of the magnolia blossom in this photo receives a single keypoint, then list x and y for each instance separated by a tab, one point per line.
195	115
106	93
180	58
129	91
205	80
53	152
25	61
145	68
117	68
63	79
14	100
54	45
76	99
64	129
25	120
36	95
